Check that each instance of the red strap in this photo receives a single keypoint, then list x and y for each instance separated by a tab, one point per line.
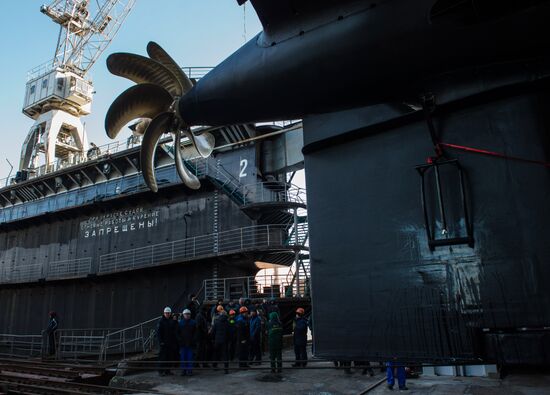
491	153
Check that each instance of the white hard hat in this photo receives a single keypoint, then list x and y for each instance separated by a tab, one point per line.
186	311
167	310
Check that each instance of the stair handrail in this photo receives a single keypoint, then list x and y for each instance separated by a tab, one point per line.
287	193
138	338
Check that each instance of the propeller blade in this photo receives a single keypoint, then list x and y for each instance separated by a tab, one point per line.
143	70
140	126
139	101
204	143
158	126
156	52
185	174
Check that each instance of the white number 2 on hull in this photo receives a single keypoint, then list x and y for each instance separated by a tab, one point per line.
244	164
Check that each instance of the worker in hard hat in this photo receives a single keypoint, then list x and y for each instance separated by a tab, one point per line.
187	333
275	340
220	337
255	325
300	338
203	328
215	310
243	337
232	334
168	341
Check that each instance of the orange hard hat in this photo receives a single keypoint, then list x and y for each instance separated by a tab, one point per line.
243	309
219	309
300	311
231	312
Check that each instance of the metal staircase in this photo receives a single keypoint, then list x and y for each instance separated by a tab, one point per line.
242	195
287	209
261	192
299	233
210	169
225	181
299	279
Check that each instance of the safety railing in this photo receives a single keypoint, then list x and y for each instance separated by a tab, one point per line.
265	192
139	338
84	343
77	343
223	179
93	153
201	167
21	345
77	158
196	72
235	240
247	238
97	152
100	343
41	69
53	270
261	192
69	268
254	287
21	273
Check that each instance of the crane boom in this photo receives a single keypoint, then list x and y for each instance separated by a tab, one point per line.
86	29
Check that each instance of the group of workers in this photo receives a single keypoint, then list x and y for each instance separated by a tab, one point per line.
203	335
241	331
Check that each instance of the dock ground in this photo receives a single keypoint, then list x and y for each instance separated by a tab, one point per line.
326	380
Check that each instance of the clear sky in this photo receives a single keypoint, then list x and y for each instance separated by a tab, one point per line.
194	32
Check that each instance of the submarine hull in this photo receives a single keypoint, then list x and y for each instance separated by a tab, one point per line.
423	257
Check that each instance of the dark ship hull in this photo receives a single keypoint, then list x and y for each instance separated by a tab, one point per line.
442	258
93	244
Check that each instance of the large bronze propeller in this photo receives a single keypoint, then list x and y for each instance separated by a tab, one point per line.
160	85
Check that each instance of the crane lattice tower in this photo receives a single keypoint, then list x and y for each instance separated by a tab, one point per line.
58	92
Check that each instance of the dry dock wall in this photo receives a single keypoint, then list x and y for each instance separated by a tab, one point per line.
78	240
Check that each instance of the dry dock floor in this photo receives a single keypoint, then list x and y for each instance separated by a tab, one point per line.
327	381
